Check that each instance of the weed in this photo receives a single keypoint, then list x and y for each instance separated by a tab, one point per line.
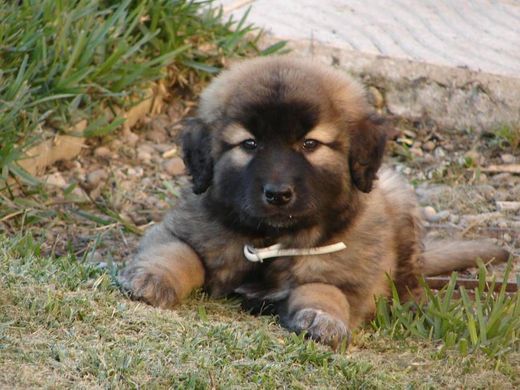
505	137
65	61
488	321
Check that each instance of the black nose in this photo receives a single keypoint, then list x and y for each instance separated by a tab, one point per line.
278	194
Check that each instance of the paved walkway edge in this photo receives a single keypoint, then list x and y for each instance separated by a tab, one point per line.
454	98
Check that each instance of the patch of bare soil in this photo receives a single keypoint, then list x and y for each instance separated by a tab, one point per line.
460	197
135	176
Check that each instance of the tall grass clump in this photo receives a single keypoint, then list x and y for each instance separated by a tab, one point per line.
480	320
67	60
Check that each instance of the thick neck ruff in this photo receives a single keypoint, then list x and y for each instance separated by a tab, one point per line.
260	254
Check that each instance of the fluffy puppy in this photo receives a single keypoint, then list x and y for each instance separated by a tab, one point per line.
285	152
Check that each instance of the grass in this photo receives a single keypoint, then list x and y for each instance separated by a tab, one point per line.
63	323
62	319
68	60
506	137
487	321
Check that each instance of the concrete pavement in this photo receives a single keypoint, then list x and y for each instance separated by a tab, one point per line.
456	62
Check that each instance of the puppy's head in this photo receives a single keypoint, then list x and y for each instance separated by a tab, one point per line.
281	142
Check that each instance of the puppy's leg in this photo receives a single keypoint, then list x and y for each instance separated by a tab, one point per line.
164	271
321	310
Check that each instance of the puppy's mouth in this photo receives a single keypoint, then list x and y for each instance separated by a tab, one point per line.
280	220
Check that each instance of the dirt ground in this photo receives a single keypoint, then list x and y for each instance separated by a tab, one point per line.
133	177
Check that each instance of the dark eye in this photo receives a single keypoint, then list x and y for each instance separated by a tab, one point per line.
310	144
249	144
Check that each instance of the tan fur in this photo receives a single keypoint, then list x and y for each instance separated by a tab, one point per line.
442	257
308	78
325	133
324	295
164	274
323	157
235	157
235	134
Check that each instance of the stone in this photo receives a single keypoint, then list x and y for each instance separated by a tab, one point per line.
115	145
441	216
429	213
479	218
156	135
439	152
55	179
174	166
129	137
135	171
95	178
487	191
416	152
508	206
454	218
429	146
144	156
508	158
146	148
102	152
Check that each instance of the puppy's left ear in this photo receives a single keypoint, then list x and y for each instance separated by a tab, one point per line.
196	149
367	146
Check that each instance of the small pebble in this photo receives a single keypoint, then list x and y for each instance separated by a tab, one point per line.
417	152
144	156
428	158
502	223
487	191
507	237
56	179
508	158
429	146
102	152
130	138
454	218
135	171
174	166
441	215
115	145
157	136
449	147
508	206
146	148
502	178
94	178
479	218
429	213
439	152
162	148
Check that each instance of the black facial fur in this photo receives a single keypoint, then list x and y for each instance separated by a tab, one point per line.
238	199
284	121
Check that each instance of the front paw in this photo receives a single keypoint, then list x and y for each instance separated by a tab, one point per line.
148	285
320	326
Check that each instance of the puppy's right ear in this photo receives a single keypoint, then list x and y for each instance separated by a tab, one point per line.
196	149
